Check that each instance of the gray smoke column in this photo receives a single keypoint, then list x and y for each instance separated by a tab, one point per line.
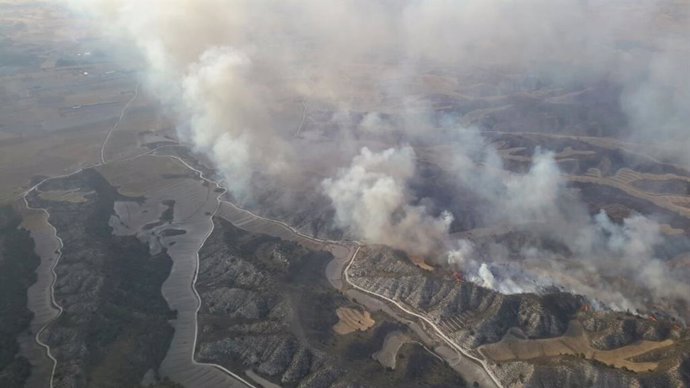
231	125
371	197
515	198
631	247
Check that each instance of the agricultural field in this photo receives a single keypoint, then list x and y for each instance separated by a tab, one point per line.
61	94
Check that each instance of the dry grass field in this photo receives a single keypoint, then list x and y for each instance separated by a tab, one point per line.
574	343
137	177
72	196
420	262
61	92
388	354
352	320
50	155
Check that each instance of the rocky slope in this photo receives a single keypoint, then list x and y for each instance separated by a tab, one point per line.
266	306
488	313
472	316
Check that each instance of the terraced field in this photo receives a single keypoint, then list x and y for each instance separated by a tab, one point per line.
574	343
627	180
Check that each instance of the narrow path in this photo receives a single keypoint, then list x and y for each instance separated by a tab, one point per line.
117	123
180	355
438	331
43	313
42	316
304	118
351	258
42	319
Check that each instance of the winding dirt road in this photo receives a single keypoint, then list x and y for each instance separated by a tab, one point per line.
117	123
438	331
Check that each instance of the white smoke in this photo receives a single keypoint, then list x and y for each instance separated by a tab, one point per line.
463	257
538	198
539	202
657	99
231	126
630	247
310	49
231	69
614	264
371	197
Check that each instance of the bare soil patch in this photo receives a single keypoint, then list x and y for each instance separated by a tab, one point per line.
352	320
573	343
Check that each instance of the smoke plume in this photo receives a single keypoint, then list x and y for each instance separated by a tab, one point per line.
372	198
244	77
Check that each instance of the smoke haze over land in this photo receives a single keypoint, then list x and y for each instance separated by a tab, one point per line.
232	71
371	196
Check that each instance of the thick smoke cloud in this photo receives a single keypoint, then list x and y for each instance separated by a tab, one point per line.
539	202
516	198
372	198
609	262
235	71
303	47
230	125
631	245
